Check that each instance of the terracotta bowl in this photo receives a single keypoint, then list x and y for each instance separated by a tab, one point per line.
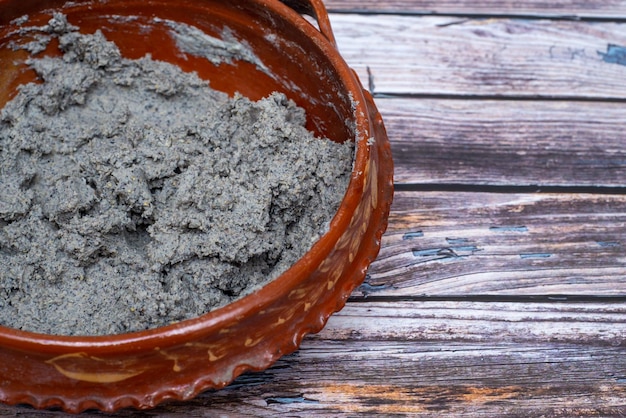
142	369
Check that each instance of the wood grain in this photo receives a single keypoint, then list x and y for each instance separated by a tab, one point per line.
425	358
425	55
612	9
431	379
588	324
455	244
506	142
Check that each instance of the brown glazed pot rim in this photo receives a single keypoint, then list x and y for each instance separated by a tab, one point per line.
368	125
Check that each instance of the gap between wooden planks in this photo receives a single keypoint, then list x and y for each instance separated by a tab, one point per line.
426	55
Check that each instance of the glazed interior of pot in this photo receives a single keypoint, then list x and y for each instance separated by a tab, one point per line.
283	59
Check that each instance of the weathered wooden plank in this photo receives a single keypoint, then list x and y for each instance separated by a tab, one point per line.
587	324
449	243
504	57
395	379
610	9
424	358
506	142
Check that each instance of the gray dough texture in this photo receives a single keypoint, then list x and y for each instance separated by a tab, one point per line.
132	195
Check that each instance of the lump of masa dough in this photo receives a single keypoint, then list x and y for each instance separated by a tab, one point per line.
133	195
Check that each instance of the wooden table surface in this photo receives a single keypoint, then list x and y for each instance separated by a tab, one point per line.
500	289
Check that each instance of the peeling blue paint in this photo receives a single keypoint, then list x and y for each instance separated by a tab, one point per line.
535	255
285	400
456	241
427	252
609	244
447	252
520	228
367	288
467	248
614	54
411	235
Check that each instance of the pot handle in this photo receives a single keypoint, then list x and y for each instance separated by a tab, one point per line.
317	10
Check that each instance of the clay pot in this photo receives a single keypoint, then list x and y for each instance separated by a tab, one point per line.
142	369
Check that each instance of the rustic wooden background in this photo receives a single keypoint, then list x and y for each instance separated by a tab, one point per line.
501	286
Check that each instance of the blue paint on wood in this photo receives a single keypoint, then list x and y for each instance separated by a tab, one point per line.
609	244
447	252
411	235
456	241
466	248
614	54
427	252
520	228
535	255
367	288
285	400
